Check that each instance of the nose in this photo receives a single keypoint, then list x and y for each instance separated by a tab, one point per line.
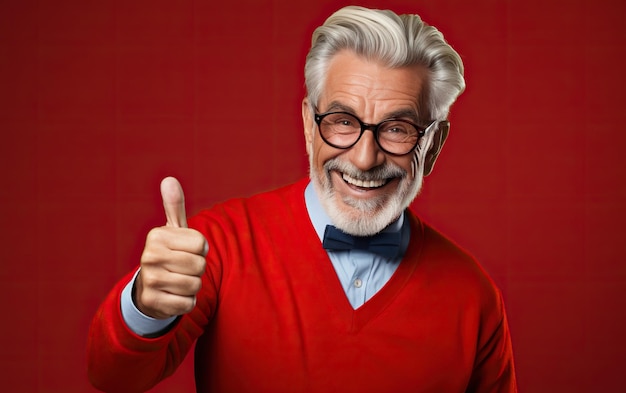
366	154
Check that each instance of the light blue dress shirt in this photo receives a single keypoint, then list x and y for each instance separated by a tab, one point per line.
361	273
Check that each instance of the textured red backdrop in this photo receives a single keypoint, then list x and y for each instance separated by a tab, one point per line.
100	99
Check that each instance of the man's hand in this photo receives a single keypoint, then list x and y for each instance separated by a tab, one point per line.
172	262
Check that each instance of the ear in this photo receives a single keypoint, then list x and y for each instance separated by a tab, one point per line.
307	120
443	128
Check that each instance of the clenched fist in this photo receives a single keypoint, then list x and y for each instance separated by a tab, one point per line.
173	261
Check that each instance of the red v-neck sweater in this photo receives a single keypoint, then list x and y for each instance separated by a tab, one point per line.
272	316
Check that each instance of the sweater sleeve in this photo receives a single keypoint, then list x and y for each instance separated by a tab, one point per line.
119	360
494	371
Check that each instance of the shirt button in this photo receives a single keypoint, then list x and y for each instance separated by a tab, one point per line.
358	283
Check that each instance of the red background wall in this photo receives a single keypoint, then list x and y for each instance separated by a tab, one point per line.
101	99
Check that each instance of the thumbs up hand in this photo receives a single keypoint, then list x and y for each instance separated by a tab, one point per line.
172	262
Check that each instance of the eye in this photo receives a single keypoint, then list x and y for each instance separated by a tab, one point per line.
396	127
398	131
344	121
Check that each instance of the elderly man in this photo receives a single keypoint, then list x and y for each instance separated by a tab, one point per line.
331	283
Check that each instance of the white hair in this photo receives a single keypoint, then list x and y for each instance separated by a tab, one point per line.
396	41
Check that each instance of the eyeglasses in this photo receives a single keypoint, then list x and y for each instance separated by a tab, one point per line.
343	130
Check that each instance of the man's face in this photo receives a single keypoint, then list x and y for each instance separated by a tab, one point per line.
363	189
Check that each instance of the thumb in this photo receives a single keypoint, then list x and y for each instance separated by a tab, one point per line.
173	202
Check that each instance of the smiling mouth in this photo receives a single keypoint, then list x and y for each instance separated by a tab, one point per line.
365	184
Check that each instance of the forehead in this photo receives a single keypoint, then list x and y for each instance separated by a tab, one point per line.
371	88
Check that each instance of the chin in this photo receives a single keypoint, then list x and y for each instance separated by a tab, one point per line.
364	217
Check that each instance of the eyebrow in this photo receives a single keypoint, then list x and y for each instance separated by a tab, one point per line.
397	114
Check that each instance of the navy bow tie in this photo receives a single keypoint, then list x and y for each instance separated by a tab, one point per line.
384	243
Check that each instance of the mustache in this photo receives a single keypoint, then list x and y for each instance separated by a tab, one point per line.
383	172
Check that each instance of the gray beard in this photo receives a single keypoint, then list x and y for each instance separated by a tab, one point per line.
370	216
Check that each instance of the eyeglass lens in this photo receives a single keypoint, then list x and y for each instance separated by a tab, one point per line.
342	130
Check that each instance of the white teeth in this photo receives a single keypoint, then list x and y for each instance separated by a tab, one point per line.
363	183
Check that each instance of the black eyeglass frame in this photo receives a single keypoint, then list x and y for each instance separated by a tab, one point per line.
421	131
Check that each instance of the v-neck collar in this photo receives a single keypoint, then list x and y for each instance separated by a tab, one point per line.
353	320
